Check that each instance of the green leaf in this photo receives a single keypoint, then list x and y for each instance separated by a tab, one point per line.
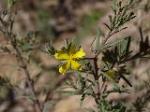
112	44
123	46
26	47
97	43
10	3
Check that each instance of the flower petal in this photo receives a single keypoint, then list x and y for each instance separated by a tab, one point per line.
63	69
61	55
75	65
79	54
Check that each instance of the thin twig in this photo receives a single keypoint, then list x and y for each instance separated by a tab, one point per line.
50	92
136	56
9	33
29	80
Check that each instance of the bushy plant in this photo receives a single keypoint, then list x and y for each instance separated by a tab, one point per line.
95	75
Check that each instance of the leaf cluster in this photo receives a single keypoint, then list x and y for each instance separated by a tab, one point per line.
121	15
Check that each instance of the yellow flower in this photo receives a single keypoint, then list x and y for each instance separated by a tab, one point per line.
70	57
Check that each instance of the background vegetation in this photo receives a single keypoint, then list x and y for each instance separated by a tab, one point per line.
29	77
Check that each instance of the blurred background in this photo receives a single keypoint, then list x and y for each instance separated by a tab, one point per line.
41	21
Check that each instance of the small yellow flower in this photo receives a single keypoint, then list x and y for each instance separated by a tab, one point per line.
70	57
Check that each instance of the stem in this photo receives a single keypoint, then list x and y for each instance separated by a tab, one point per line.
136	56
87	58
95	59
96	77
11	36
96	68
29	80
50	92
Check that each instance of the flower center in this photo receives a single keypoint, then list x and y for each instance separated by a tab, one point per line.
71	57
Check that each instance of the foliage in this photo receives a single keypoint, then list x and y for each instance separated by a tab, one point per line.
114	61
107	66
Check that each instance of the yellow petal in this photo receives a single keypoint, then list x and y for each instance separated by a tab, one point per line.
61	56
79	54
63	69
75	65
